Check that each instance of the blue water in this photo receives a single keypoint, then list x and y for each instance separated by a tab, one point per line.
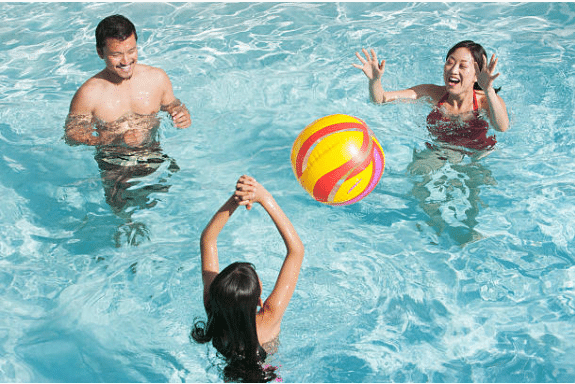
463	274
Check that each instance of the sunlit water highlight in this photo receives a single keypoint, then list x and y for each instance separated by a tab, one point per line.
463	274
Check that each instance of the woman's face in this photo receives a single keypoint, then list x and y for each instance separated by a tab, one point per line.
459	72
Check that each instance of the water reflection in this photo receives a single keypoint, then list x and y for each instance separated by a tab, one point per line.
129	179
129	157
448	190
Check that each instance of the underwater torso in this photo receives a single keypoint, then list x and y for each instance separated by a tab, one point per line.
131	130
272	346
452	130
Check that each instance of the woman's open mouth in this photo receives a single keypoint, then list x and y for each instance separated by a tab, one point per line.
453	81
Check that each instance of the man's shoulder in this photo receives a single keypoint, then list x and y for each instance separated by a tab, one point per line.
94	83
85	97
148	70
152	76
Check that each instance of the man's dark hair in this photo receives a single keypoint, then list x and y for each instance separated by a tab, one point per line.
115	26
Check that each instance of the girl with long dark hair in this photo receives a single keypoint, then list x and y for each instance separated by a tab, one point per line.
240	326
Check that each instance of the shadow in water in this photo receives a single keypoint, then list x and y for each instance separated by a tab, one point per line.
129	177
448	191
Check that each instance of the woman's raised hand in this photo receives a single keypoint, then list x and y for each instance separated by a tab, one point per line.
372	68
485	76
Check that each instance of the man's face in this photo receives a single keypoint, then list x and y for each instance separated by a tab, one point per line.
120	56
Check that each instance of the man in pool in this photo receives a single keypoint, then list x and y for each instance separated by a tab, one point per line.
116	111
118	106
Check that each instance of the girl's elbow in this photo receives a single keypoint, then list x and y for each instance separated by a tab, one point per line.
295	248
299	248
206	238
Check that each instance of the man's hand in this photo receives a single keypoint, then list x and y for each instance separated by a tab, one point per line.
180	114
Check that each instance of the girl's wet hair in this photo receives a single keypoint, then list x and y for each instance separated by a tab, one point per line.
478	53
231	325
115	27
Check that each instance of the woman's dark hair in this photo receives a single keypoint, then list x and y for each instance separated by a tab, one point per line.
116	27
231	325
478	53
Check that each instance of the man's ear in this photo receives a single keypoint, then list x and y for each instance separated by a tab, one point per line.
100	53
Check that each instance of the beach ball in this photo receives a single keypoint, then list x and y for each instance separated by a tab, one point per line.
337	159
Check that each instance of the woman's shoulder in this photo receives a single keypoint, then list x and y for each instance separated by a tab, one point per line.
431	92
482	99
437	92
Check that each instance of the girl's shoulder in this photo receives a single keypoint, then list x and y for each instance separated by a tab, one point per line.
268	325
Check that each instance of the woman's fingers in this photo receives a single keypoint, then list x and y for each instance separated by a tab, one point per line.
361	59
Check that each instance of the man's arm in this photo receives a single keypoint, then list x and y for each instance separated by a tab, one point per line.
79	128
176	109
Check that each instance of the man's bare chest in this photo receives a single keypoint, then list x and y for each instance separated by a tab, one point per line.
116	102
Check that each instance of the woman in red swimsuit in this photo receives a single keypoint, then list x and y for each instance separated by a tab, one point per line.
468	91
464	108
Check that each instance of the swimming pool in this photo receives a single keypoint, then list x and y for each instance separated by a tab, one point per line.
464	275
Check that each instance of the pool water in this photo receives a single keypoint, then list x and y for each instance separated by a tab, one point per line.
463	273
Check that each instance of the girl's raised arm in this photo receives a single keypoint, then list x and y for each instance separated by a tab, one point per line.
209	245
249	191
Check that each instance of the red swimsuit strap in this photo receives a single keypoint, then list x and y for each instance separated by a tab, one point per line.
475	103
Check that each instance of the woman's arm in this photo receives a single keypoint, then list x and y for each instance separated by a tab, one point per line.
374	70
250	191
497	110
